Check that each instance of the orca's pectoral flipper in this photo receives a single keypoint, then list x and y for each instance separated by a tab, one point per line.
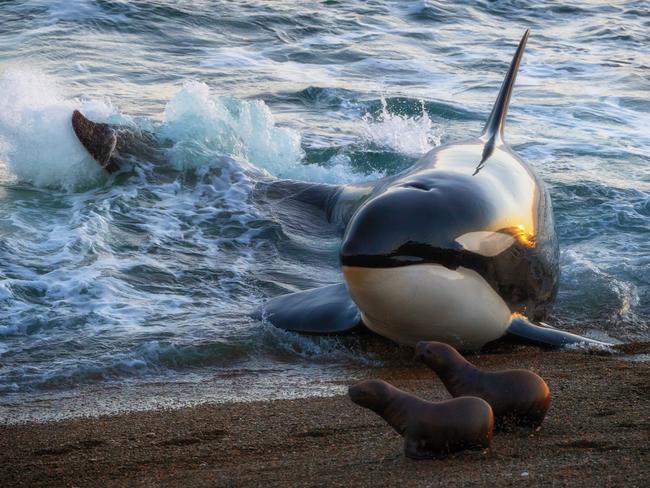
522	328
326	310
98	139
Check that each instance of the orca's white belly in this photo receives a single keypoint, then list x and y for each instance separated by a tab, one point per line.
428	302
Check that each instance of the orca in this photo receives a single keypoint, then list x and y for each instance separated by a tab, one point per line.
460	248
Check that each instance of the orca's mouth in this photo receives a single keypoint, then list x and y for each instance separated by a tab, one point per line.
416	253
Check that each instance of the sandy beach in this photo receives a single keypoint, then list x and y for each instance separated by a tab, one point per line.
597	433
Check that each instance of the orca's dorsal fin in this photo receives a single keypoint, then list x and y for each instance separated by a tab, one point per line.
493	130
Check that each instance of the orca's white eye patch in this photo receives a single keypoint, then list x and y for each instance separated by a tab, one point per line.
486	243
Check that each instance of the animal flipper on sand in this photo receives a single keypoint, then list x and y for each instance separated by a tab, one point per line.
545	335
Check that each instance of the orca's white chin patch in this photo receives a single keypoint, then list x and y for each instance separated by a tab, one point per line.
428	302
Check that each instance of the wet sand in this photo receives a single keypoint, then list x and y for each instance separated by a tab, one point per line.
597	433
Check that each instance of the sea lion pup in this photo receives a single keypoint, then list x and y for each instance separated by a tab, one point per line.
517	396
430	430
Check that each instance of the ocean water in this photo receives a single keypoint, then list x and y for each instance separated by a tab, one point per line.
135	290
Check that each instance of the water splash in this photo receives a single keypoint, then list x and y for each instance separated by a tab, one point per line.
36	138
202	125
409	135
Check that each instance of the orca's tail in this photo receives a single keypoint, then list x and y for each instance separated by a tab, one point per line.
543	335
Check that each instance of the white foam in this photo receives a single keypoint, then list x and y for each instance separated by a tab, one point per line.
580	267
409	135
317	348
336	171
37	143
201	125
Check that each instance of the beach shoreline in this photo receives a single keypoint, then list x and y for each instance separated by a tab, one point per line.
597	433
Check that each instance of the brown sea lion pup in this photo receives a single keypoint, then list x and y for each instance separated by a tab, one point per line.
430	430
517	396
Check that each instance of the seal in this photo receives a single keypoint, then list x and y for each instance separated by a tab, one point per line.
430	430
517	396
459	248
98	139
